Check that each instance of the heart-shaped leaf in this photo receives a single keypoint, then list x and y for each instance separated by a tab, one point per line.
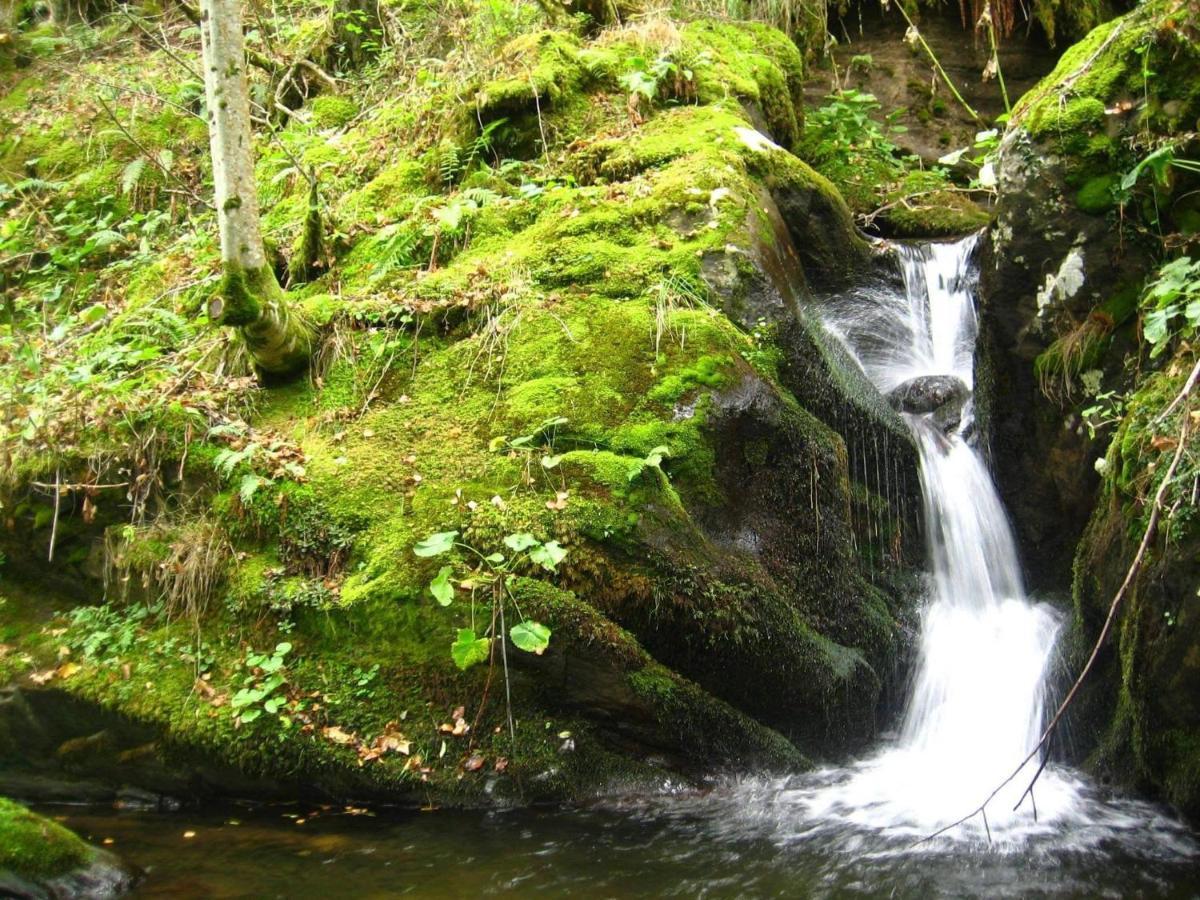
531	636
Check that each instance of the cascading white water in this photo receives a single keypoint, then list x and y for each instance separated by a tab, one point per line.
976	706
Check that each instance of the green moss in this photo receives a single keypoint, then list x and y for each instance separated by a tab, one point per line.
1097	196
333	111
1110	65
926	205
547	68
34	847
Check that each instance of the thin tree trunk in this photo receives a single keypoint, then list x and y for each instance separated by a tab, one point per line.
250	297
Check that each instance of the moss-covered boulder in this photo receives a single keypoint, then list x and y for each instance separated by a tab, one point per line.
41	859
1066	259
570	304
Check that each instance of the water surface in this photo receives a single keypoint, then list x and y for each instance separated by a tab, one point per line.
753	839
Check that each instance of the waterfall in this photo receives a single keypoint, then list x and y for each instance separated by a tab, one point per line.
977	701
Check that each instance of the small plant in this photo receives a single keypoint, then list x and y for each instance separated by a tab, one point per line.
646	81
537	445
652	460
492	573
1107	409
1171	304
263	688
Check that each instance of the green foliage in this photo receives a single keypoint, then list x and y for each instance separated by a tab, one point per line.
845	141
1171	304
264	686
492	572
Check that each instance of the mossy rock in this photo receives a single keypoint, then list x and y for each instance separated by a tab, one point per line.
517	320
333	111
40	858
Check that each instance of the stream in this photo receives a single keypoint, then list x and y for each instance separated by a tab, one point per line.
977	706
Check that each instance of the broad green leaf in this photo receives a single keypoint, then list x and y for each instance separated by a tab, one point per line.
520	542
250	715
1155	327
655	456
469	650
106	238
531	636
495	558
436	544
550	462
441	588
548	555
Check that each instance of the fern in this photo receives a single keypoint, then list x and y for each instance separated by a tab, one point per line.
132	175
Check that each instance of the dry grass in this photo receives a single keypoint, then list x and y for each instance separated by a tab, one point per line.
1059	368
186	580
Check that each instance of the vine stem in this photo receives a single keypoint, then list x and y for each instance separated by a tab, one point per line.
991	29
1130	575
937	65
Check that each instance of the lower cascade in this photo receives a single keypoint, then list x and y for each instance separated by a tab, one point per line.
977	703
978	699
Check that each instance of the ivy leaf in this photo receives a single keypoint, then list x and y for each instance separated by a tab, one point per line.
441	588
469	650
548	555
436	544
531	636
520	542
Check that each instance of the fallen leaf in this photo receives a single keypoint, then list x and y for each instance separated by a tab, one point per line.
66	670
474	764
338	736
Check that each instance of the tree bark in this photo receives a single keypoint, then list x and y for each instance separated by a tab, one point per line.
249	298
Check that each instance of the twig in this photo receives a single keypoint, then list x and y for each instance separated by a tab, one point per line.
318	71
150	156
81	486
986	19
1130	575
162	45
57	502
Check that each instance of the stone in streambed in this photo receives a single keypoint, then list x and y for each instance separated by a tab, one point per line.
941	395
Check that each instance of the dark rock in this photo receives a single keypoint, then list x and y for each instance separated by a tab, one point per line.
103	877
929	393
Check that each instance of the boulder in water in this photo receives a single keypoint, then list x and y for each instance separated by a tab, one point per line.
942	395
